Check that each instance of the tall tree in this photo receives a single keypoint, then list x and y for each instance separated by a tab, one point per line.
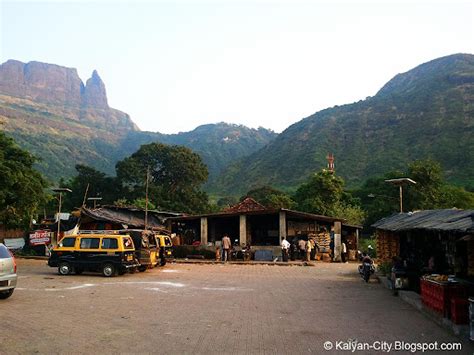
21	186
95	182
431	191
175	177
324	194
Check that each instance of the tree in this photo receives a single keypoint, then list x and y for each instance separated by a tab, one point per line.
21	186
320	193
270	197
324	194
431	191
100	185
175	177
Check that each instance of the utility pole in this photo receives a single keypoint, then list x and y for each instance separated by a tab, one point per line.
60	190
146	196
400	182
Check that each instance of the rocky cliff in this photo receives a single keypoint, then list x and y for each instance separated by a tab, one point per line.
62	90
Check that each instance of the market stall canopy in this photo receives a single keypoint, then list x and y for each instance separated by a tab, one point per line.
442	220
128	216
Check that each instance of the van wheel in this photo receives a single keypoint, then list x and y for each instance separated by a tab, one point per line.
64	268
108	270
6	294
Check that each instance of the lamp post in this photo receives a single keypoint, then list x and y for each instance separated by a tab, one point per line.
400	182
60	190
95	199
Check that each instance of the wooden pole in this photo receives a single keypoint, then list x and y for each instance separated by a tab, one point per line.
59	217
85	196
146	196
401	199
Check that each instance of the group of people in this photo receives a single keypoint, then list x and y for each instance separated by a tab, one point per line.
305	250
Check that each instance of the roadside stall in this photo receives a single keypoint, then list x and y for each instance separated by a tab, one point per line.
436	247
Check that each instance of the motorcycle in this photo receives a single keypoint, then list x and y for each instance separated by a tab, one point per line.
365	270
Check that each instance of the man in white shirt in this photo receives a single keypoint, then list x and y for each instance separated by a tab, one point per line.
285	246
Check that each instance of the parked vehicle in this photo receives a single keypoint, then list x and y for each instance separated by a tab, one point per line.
146	247
109	254
166	248
367	268
8	276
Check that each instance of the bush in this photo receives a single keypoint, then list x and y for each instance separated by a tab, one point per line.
364	246
385	268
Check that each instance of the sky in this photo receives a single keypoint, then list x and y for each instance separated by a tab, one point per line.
175	65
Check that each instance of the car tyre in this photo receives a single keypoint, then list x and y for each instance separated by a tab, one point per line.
142	268
108	270
64	268
5	294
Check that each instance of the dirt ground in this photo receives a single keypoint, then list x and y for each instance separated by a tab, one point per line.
202	309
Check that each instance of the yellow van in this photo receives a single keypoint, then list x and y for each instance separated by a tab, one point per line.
109	254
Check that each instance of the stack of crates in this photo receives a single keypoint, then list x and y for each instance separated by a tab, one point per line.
459	310
445	298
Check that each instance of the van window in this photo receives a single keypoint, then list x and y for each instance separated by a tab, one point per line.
90	243
68	242
128	243
4	253
167	241
109	243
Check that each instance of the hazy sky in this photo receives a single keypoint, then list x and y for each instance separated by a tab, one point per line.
174	65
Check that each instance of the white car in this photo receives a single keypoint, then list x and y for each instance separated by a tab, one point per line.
8	275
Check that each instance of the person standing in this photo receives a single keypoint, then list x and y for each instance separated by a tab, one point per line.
285	246
226	245
309	247
302	248
344	252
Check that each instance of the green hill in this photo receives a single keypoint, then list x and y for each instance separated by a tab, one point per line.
425	112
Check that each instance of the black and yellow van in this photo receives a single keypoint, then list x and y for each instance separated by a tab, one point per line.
109	254
146	247
166	248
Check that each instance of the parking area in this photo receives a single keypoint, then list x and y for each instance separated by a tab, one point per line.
191	308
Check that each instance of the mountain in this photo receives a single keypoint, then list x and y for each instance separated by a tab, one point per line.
218	144
50	112
425	112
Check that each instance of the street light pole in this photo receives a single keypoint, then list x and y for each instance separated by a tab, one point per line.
95	199
400	182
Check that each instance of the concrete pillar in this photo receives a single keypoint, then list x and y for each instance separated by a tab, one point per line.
203	230
357	239
243	229
282	225
337	241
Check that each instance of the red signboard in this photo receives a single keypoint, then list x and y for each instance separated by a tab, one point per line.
40	238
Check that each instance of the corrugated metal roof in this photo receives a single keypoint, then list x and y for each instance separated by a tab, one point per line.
443	220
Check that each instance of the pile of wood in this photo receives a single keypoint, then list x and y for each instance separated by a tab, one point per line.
388	246
323	240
